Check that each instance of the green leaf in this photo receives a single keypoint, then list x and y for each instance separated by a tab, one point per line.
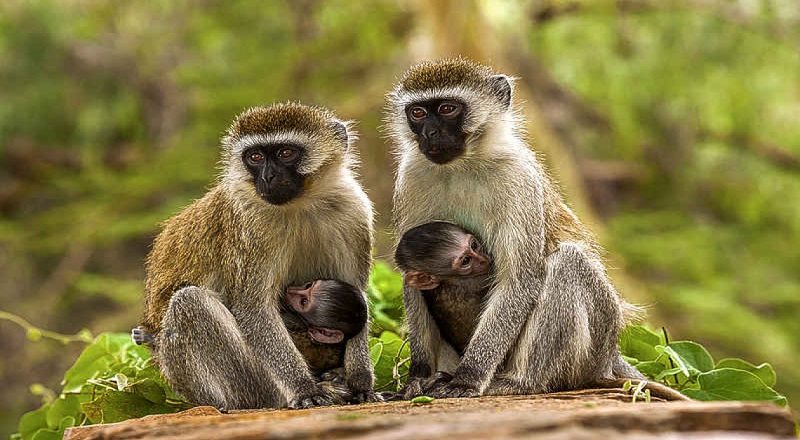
47	434
638	342
116	406
763	371
694	355
651	369
394	350
93	360
375	350
682	365
668	372
66	422
33	421
66	406
422	400
149	389
733	384
630	360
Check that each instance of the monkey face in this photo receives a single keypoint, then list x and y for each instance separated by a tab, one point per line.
471	259
274	171
333	310
439	127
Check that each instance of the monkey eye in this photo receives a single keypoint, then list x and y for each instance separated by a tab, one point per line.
447	109
308	286
303	302
255	157
465	261
473	244
418	112
286	153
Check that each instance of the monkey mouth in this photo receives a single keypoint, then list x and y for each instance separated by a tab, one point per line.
325	335
441	154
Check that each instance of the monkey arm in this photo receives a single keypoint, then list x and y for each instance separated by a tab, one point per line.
358	366
424	341
519	281
272	345
499	326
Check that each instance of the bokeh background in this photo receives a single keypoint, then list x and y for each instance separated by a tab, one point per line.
672	126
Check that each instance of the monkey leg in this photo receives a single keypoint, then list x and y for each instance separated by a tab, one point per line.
334	381
570	340
204	356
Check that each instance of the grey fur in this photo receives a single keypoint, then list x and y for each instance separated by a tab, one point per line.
552	318
218	270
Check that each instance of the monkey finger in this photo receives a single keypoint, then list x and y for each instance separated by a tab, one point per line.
413	388
366	397
311	401
451	390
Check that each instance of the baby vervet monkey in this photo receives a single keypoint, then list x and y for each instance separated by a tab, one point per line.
321	316
452	269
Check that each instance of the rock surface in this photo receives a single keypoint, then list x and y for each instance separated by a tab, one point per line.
584	414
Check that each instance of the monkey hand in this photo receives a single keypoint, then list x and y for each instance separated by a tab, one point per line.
414	387
444	386
360	385
311	398
141	336
366	396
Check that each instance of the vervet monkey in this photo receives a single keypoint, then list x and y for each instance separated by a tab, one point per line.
448	264
286	208
551	318
321	317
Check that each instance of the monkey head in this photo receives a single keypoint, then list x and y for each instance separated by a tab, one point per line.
442	108
275	153
434	252
334	311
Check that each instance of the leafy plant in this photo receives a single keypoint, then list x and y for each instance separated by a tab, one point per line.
385	294
688	367
114	379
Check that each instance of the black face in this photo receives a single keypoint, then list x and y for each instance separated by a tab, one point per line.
438	124
274	171
334	311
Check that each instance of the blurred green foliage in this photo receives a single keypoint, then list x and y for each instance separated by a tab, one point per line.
111	111
706	113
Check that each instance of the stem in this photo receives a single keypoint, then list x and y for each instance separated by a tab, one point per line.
671	363
60	337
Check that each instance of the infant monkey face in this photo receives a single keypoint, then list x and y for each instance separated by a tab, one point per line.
333	311
473	259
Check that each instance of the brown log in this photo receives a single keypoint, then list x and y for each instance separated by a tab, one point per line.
552	416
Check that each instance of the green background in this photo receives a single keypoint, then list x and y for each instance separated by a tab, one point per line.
674	128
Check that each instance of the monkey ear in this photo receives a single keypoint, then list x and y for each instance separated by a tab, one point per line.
339	130
325	335
501	86
421	280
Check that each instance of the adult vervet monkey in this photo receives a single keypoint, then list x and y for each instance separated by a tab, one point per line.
551	319
287	208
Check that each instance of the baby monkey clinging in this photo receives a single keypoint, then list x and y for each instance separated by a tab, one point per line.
451	266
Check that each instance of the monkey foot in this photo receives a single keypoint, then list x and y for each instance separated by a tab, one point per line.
311	401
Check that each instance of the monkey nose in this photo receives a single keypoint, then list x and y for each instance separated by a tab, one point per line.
430	133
